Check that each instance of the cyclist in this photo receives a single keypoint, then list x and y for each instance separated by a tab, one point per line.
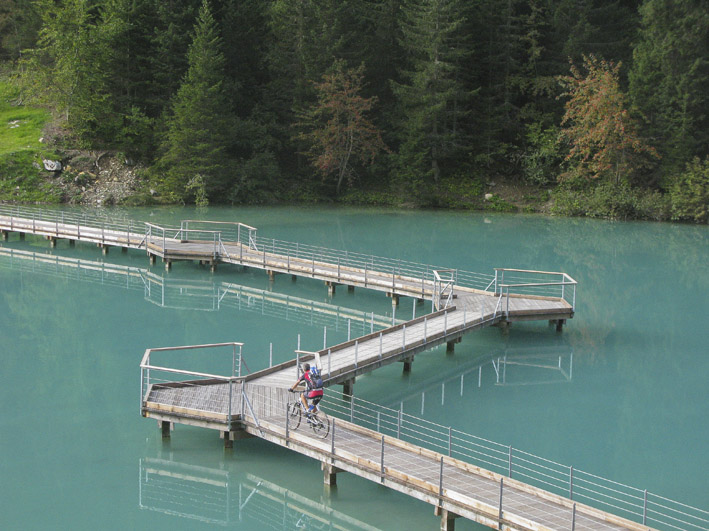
314	387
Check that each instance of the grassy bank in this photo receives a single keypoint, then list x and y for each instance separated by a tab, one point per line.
22	176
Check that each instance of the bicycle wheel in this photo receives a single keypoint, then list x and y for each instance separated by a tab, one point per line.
321	424
294	413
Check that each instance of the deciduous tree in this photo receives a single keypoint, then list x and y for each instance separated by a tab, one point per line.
338	129
602	136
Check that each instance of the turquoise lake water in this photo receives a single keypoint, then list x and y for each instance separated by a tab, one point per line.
631	403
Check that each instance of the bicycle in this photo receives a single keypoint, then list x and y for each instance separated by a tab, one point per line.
317	418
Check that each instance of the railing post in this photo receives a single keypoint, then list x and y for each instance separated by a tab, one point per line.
356	352
297	362
403	338
571	482
380	346
440	481
425	326
287	421
230	397
398	423
382	460
324	337
332	447
349	324
243	400
329	362
573	518
352	401
371	325
270	354
338	268
644	506
450	441
501	487
509	461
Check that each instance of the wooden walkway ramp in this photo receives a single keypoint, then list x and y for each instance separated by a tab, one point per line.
456	488
518	294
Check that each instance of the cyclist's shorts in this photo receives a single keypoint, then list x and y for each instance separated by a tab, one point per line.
315	393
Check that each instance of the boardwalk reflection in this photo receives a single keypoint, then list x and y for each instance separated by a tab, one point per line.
203	295
223	497
512	366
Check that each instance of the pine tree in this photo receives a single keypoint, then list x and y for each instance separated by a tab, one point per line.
670	76
431	96
198	126
70	67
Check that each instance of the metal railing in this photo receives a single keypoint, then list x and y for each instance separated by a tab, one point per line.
348	259
97	225
159	237
154	377
534	283
629	502
443	285
505	281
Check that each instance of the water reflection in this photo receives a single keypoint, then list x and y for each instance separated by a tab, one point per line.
202	295
218	496
511	366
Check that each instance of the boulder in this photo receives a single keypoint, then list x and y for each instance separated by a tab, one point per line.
52	165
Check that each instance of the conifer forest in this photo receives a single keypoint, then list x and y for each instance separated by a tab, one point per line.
584	107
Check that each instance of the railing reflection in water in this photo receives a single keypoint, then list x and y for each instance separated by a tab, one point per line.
223	497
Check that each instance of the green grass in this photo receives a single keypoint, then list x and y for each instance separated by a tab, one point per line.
21	151
29	123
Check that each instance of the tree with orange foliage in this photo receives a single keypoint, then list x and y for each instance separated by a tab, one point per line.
337	128
604	143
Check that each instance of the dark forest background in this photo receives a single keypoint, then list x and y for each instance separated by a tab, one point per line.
600	107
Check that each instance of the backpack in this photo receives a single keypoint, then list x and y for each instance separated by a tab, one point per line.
316	377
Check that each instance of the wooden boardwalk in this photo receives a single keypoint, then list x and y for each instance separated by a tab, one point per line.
455	487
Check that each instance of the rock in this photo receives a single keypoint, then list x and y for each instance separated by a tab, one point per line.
41	140
36	165
488	197
52	165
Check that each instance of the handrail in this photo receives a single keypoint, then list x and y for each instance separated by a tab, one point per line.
623	500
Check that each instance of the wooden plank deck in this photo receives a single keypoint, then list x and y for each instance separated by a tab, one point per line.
463	489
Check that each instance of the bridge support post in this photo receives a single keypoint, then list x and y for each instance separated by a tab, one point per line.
350	289
450	345
559	324
330	474
124	250
394	299
447	518
165	427
52	242
72	243
348	387
168	265
151	257
228	439
3	235
407	363
504	327
271	275
331	288
22	235
212	266
104	249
